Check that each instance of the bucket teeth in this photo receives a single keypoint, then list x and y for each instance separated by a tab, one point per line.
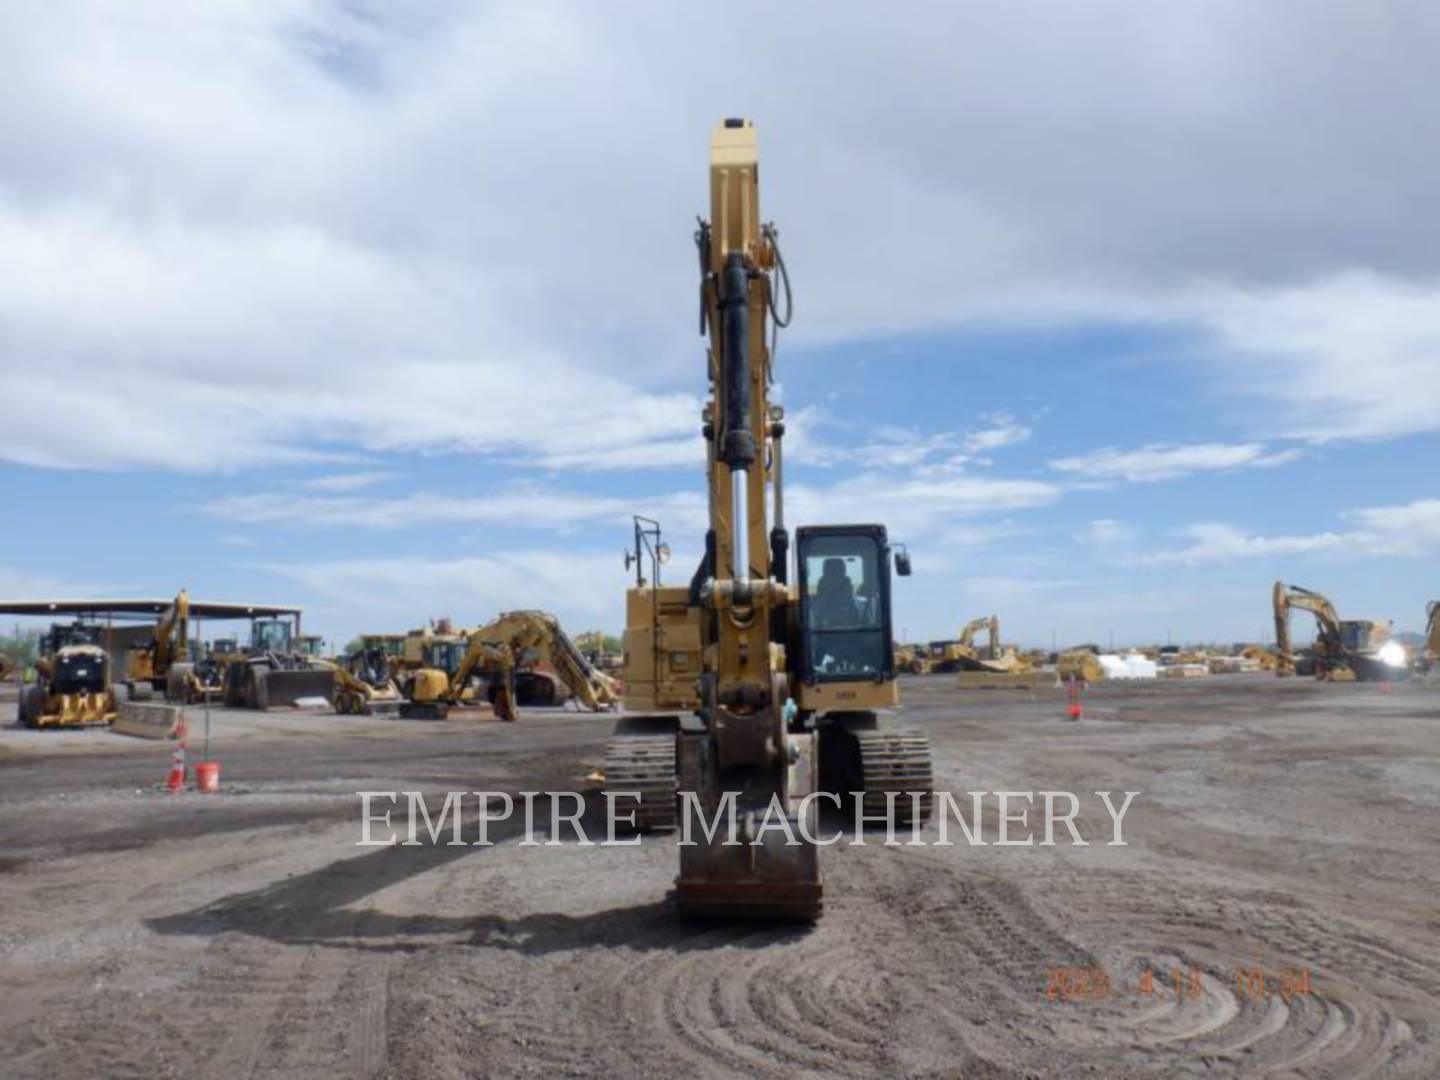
644	765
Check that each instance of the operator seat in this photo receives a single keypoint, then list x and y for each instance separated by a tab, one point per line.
834	597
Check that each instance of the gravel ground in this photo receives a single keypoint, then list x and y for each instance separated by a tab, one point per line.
1286	835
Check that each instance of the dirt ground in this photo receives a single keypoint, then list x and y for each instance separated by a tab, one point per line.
1283	828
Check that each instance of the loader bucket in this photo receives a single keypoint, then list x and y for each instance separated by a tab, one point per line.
284	689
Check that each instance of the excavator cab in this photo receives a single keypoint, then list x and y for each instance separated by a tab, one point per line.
844	611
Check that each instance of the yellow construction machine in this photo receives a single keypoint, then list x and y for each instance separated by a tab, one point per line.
912	659
961	654
1266	658
147	668
364	685
447	681
510	649
1345	650
72	688
390	646
164	664
536	638
278	670
1432	635
777	686
1081	664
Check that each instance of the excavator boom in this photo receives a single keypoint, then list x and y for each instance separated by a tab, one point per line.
790	675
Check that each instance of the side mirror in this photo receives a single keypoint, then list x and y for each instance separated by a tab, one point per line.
902	560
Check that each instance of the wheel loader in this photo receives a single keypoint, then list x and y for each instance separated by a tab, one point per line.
274	673
772	690
73	684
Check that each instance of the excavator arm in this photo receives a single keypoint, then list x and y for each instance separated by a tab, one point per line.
541	633
1432	632
1293	597
481	657
990	624
172	634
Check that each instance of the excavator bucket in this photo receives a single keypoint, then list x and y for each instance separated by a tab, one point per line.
754	865
761	877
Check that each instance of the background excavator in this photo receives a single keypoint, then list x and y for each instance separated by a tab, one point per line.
536	637
1345	650
508	649
147	669
72	687
1432	636
446	682
778	687
962	654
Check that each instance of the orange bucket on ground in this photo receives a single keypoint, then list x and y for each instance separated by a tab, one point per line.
207	776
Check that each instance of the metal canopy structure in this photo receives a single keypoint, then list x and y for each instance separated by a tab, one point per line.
143	610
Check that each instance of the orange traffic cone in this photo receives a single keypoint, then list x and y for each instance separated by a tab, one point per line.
176	780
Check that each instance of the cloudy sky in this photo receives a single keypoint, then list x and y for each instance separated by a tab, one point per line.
1115	312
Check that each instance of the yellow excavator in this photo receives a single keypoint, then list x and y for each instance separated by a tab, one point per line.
1432	635
523	640
432	691
963	655
163	663
72	688
1346	650
147	669
536	637
785	686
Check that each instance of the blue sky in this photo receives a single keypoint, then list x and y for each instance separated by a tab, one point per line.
1112	320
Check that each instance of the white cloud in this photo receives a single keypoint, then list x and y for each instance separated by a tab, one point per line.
1003	430
399	593
1158	461
1411	529
292	231
521	506
913	508
887	446
353	481
1356	355
1107	533
1406	530
21	585
1217	542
